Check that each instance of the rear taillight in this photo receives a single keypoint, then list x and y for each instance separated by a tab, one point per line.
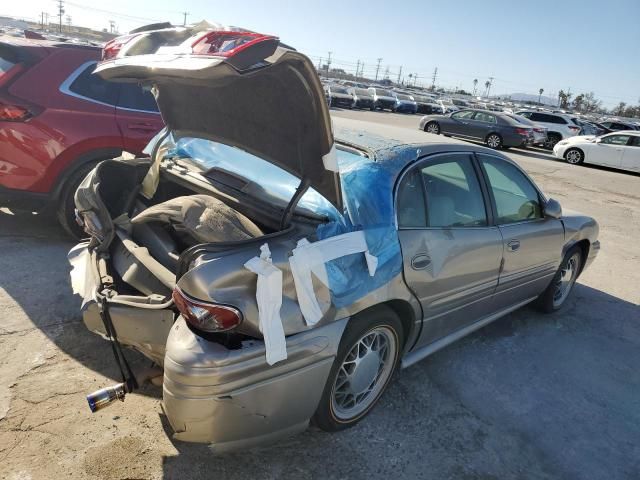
227	44
522	131
538	130
574	129
206	316
13	113
113	47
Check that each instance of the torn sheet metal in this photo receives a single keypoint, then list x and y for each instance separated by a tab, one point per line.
310	258
82	280
269	298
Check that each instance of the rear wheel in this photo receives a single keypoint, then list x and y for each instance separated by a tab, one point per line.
494	141
562	284
368	355
66	208
552	139
432	127
574	156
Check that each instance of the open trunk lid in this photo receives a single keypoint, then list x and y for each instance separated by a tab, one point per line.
251	93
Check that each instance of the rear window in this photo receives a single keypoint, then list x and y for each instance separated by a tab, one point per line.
8	59
92	86
339	90
362	91
404	97
134	97
383	93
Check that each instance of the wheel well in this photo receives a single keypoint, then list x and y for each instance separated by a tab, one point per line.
78	163
585	246
405	313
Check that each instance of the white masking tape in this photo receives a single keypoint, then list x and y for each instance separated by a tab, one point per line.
269	298
311	257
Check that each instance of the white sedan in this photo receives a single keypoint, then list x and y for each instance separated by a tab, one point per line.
618	150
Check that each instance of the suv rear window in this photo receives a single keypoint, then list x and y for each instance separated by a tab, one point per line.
94	87
546	118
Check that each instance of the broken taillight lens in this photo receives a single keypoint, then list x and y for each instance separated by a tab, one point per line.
206	316
227	44
14	113
113	47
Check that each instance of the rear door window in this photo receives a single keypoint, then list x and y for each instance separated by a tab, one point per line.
485	117
616	139
92	87
134	97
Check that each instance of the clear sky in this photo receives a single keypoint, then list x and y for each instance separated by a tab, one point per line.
585	45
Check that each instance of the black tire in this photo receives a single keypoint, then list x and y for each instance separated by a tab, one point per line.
494	141
574	156
66	207
552	139
382	320
432	127
548	301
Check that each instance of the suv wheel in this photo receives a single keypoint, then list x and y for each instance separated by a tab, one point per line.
66	208
368	355
552	139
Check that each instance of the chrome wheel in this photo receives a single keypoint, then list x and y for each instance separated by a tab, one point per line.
364	373
494	141
574	157
565	282
551	141
433	128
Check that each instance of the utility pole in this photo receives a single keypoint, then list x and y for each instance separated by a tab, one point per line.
489	88
415	79
319	64
386	72
184	22
357	69
378	69
399	74
112	26
60	12
69	23
42	19
433	79
362	70
329	63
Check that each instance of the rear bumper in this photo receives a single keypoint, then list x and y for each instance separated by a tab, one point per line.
232	398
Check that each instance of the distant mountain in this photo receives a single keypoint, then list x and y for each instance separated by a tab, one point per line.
530	97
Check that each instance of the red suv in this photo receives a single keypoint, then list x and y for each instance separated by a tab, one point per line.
57	120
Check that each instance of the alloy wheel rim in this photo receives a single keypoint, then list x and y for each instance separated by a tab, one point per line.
574	157
493	141
564	284
364	373
433	128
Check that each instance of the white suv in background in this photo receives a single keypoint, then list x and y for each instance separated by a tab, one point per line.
559	126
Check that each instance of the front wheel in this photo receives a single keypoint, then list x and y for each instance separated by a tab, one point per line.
494	141
574	156
432	127
556	294
368	355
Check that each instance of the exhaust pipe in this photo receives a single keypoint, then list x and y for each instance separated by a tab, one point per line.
106	396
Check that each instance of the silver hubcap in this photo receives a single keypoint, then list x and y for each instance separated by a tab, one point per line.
364	373
568	276
493	141
433	128
574	156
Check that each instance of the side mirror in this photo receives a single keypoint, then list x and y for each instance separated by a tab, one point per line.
598	140
552	209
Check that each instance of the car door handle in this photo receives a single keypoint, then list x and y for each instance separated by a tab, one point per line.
513	245
420	261
145	127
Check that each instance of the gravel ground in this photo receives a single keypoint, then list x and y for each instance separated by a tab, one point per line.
530	396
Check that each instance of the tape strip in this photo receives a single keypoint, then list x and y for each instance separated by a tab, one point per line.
269	298
310	258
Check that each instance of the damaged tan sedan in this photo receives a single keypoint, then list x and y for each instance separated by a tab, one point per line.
278	274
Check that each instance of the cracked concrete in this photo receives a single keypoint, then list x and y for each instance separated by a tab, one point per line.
528	397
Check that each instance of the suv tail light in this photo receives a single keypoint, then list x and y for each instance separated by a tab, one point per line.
206	316
113	47
574	129
14	113
227	44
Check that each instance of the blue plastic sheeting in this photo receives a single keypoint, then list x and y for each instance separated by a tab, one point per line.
367	188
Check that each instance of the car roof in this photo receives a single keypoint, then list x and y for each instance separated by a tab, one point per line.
27	42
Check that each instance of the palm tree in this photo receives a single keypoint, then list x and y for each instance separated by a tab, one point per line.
540	92
475	84
487	86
